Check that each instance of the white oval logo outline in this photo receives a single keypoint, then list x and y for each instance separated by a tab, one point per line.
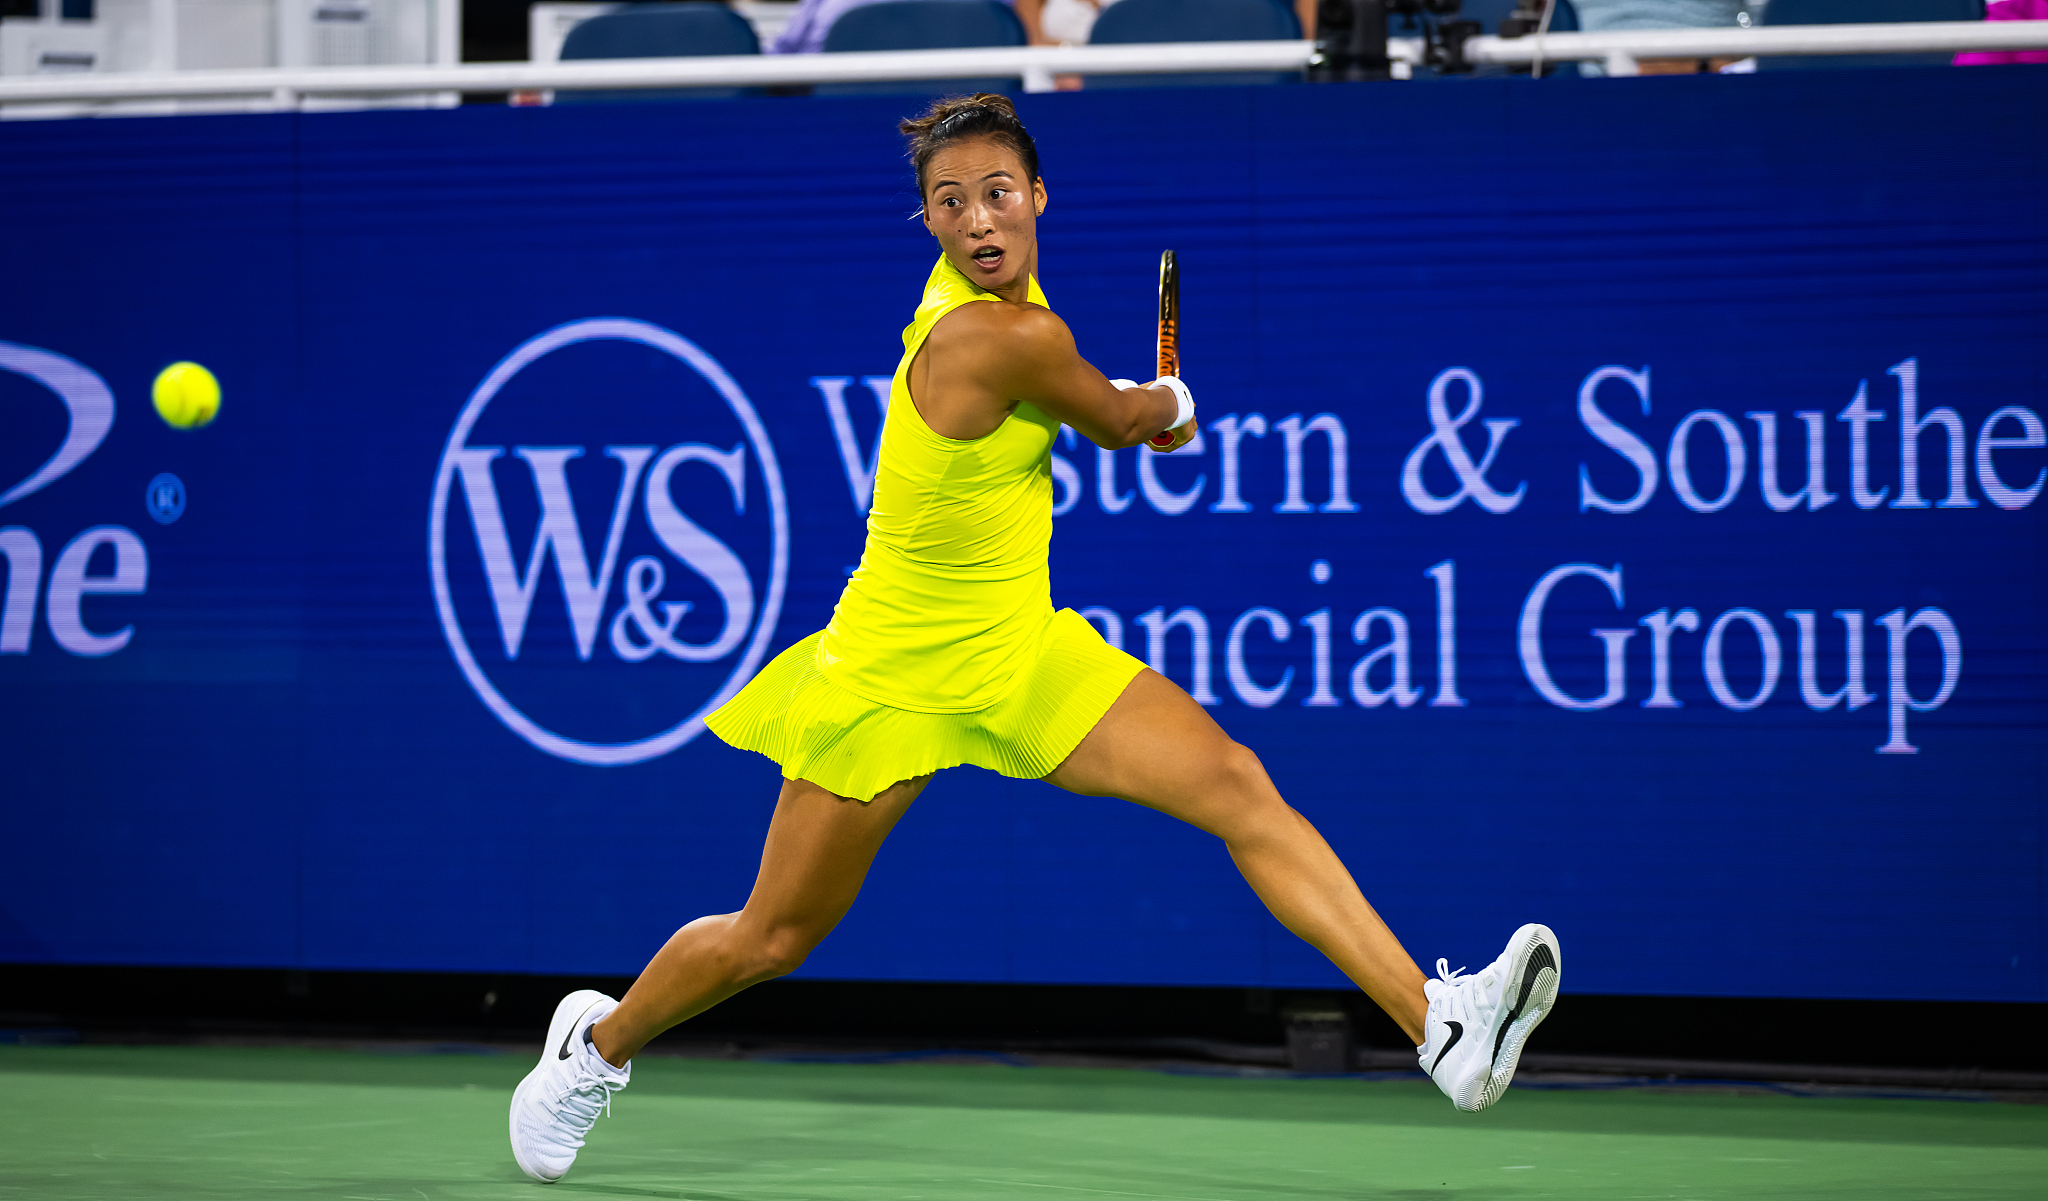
624	329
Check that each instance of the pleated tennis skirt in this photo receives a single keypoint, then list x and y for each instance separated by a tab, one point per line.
853	747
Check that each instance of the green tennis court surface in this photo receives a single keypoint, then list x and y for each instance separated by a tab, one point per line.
187	1122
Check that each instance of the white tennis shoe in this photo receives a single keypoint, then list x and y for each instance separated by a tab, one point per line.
1477	1025
558	1102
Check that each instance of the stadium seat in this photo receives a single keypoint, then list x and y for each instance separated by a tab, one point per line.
1846	12
682	30
1129	21
923	25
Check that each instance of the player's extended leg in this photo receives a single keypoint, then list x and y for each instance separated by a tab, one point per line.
815	859
1157	747
1160	749
817	854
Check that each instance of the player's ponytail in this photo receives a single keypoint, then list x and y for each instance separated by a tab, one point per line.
958	118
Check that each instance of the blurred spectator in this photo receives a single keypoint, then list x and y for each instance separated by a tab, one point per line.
1068	21
805	33
2008	10
1599	16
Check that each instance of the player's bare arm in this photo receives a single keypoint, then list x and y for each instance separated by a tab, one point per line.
982	360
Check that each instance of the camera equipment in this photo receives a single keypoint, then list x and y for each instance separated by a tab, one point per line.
1351	37
1528	18
1525	20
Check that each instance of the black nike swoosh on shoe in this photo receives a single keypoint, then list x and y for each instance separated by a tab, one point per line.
1539	960
1457	1032
571	1036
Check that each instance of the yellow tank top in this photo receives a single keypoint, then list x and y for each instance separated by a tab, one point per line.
952	594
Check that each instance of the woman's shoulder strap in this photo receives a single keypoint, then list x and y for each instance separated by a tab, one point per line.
945	289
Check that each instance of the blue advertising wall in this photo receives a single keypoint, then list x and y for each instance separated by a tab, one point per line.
1619	506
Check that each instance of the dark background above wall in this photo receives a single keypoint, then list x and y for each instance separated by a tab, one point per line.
1223	1024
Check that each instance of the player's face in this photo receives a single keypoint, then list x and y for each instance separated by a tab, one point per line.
983	209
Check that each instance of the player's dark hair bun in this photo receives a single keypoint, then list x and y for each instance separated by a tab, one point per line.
958	118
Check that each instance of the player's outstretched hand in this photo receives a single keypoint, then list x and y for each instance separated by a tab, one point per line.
1183	429
1175	438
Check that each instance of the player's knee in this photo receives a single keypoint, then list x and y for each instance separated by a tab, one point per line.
1250	807
775	953
1241	772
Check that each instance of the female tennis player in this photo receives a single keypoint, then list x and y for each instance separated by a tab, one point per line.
945	649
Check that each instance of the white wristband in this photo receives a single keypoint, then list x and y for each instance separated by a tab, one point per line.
1186	412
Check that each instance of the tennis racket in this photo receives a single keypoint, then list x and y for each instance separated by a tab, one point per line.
1169	343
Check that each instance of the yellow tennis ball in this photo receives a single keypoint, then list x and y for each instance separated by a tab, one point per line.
186	395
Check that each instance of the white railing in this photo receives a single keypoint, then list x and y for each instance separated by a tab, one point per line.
1035	65
1620	50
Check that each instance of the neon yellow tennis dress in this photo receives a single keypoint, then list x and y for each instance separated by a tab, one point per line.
944	649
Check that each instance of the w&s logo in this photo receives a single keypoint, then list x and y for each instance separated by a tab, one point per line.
609	540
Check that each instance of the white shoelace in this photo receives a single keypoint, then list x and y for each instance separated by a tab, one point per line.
1456	999
588	1099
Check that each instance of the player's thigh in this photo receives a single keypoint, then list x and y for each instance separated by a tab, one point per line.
817	855
1158	748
